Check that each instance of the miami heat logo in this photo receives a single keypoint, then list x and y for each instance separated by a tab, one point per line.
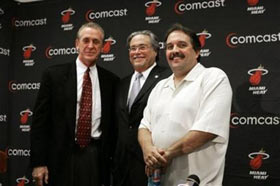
3	161
202	36
257	159
253	8
107	45
151	7
256	75
107	56
27	51
25	115
22	181
66	14
252	2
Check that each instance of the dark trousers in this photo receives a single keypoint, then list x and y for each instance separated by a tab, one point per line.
132	174
84	165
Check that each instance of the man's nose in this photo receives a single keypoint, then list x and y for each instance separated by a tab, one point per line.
175	48
137	50
90	44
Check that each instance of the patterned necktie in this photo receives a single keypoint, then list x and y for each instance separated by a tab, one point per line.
136	86
83	133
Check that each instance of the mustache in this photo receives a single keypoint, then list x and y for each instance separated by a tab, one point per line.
177	54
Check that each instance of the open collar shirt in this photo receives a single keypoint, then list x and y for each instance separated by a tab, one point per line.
200	102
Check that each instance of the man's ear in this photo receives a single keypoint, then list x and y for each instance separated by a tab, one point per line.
77	44
197	53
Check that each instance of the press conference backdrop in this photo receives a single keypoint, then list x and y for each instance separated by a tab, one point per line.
242	37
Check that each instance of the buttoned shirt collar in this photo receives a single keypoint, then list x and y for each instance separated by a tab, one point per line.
81	66
146	72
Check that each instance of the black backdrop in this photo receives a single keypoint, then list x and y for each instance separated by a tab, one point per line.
242	37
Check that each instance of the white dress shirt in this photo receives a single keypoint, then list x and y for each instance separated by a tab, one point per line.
96	98
201	102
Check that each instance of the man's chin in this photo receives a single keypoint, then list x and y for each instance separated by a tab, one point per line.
175	65
139	61
138	64
91	58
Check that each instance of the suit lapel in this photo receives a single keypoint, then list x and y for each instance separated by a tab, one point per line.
102	85
152	78
70	82
124	91
105	93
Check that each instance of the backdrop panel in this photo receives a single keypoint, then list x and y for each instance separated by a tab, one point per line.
242	37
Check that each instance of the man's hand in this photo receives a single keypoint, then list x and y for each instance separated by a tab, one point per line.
153	156
40	175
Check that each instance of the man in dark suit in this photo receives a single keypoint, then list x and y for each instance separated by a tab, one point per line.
143	54
58	156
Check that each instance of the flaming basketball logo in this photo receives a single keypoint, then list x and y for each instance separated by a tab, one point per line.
107	46
25	115
257	159
66	15
256	75
22	181
203	36
151	7
27	51
256	162
252	2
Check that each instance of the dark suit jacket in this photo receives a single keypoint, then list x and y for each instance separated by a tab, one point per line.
53	126
128	123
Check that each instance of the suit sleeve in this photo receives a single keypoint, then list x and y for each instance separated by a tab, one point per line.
40	128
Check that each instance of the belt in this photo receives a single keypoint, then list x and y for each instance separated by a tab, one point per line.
93	142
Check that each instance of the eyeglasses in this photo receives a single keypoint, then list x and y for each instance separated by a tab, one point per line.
141	48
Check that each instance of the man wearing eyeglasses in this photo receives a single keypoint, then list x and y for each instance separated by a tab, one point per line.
132	97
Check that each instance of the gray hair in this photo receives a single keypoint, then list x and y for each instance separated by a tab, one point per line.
90	25
153	40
